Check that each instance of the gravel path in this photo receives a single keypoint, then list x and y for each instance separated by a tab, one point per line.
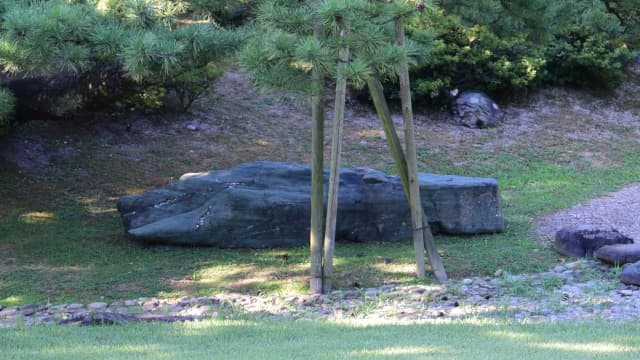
619	210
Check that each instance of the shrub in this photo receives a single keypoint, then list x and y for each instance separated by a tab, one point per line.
585	59
505	47
98	52
474	57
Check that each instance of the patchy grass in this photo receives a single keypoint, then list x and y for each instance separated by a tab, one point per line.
265	339
61	239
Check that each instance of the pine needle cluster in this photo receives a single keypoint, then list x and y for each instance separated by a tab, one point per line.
285	52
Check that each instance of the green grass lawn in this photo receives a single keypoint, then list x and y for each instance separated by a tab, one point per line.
266	339
66	252
61	238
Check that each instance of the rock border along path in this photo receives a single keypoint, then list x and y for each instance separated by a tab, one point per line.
581	290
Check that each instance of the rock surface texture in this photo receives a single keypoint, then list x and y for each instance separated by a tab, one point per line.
630	275
475	109
584	240
619	254
267	204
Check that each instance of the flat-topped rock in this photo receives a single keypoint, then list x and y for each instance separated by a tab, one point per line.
619	254
267	204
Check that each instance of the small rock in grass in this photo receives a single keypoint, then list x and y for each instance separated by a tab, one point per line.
630	275
372	292
9	311
574	265
475	109
150	304
192	127
75	306
97	306
619	254
29	310
584	240
625	292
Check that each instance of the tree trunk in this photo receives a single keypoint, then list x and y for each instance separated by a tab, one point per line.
334	177
421	232
317	174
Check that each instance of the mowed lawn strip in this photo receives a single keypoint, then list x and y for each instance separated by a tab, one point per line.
269	339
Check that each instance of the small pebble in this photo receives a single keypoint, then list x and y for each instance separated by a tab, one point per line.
97	306
625	292
559	269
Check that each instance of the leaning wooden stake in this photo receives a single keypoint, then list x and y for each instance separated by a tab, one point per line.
377	94
421	232
317	174
334	176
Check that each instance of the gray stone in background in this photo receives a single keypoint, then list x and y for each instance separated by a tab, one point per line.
630	275
475	109
619	254
584	240
267	204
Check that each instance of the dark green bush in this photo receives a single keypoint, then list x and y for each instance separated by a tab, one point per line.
474	57
505	47
585	59
91	53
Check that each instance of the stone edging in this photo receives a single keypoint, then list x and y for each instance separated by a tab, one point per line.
581	290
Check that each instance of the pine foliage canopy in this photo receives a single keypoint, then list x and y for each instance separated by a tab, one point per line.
286	51
111	49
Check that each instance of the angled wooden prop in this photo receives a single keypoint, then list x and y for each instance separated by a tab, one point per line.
422	233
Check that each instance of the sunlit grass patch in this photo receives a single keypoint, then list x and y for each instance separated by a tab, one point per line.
37	217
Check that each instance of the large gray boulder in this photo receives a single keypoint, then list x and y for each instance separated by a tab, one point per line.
475	109
584	240
267	204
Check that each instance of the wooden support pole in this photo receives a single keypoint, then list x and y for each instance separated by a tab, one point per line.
317	174
377	94
422	235
334	176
